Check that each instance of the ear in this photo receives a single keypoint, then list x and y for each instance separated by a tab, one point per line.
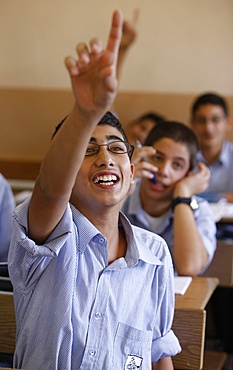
191	122
229	124
132	168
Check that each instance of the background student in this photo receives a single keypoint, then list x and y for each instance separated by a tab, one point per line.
167	204
211	121
7	205
74	258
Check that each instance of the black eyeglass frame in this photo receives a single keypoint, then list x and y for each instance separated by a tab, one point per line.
129	148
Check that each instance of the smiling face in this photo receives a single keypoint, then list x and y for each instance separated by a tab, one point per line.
104	177
173	161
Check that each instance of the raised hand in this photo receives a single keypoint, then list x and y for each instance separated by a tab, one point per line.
129	32
93	73
143	168
194	183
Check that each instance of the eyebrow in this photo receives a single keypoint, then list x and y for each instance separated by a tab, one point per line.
109	138
176	158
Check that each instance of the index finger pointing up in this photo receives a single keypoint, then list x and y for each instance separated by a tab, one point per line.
115	32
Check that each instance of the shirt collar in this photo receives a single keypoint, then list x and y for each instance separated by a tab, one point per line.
223	157
135	201
135	208
86	230
137	250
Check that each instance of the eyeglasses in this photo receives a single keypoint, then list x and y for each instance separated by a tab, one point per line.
204	120
115	147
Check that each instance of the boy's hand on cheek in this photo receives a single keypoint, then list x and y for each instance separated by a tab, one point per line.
194	183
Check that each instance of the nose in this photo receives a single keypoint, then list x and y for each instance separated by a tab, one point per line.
163	169
104	157
209	125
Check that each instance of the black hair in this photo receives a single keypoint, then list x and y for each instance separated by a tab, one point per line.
210	98
152	116
108	119
178	132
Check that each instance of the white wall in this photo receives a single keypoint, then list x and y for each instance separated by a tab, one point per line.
183	46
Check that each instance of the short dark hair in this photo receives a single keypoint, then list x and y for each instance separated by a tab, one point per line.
152	116
210	98
108	119
111	119
178	132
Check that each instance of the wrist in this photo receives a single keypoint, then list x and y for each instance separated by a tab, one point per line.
190	201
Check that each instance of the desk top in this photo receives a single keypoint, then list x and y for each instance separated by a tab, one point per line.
198	293
189	322
222	211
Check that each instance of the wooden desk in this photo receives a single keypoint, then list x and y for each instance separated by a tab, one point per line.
222	264
189	322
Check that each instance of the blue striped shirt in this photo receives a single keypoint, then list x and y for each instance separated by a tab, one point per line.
7	205
74	311
221	180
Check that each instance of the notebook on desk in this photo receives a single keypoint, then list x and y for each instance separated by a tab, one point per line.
181	284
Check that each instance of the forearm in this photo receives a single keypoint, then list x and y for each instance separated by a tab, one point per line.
189	252
57	175
123	52
94	85
163	364
65	155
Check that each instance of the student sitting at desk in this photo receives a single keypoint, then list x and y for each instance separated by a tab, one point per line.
166	204
7	205
74	258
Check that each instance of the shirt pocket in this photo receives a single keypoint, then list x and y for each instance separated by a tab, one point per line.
132	348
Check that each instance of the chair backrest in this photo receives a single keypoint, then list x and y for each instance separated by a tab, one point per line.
7	323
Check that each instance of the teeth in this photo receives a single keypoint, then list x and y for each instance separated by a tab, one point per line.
107	179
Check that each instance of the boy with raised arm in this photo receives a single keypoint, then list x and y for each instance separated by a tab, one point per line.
90	290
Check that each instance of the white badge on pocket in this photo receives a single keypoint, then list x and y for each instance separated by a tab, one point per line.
133	363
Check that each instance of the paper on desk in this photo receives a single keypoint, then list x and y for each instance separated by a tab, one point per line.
181	284
221	209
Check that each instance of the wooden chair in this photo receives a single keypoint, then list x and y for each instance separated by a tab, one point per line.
214	360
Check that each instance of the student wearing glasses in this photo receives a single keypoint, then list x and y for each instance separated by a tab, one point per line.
91	291
211	121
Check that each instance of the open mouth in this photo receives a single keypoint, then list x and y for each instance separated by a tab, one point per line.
158	186
106	180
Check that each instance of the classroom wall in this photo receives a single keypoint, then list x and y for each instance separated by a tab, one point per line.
183	48
29	116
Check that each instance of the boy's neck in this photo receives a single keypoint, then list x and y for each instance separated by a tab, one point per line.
211	154
108	225
156	208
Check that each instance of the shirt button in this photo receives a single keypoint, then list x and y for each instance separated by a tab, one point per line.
98	315
92	352
101	240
